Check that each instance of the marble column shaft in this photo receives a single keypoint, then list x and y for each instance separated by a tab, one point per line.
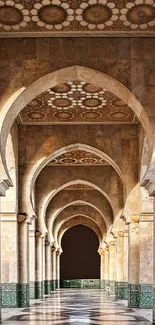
32	261
112	267
134	265
23	251
39	267
9	258
48	267
54	263
120	286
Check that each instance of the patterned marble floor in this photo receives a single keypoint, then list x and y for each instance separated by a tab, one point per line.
76	307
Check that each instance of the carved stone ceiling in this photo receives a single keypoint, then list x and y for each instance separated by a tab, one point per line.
76	17
76	102
79	187
78	158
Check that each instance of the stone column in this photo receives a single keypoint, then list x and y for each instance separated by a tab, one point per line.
53	286
106	267
58	269
154	261
39	265
44	277
32	260
126	262
134	263
102	268
112	266
146	260
120	265
23	253
48	267
9	258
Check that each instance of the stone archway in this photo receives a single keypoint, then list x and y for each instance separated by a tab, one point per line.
10	112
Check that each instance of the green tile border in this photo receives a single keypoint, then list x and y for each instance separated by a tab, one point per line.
112	288
121	290
32	290
53	285
153	316
15	295
38	289
146	296
134	295
47	286
140	295
83	283
23	295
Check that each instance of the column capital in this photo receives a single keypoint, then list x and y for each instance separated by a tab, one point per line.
21	217
100	251
120	233
47	243
111	243
37	233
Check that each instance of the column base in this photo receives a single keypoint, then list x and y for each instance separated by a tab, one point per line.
32	289
38	289
102	284
53	285
153	320
47	284
112	288
134	295
121	290
15	295
140	295
146	296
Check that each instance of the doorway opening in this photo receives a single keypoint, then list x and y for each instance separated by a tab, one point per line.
80	260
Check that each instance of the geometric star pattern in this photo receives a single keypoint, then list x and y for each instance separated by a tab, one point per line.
76	102
78	17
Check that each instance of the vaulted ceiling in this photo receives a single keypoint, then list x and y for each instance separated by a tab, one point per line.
76	102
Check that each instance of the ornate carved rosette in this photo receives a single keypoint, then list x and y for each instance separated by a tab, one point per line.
13	16
53	14
97	14
139	14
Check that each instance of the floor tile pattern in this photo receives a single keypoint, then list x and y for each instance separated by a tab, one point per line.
76	306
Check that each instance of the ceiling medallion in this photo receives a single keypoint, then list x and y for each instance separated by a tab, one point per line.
13	16
91	115
92	102
62	88
36	115
118	103
97	14
63	116
89	88
140	14
35	103
118	115
52	14
10	15
62	102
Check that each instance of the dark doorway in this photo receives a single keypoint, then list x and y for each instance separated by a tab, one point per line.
80	259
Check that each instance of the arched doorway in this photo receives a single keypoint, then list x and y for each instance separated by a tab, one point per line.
80	259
